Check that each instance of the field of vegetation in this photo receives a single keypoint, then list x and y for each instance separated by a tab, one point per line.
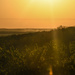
34	53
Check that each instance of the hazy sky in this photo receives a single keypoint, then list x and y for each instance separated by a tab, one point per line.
36	13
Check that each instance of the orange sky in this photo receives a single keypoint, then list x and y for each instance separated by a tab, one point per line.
36	13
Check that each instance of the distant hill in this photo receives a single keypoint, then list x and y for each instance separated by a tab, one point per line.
6	32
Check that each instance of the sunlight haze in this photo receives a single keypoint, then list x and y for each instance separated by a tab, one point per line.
36	13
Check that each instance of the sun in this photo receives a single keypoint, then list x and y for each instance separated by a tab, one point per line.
50	1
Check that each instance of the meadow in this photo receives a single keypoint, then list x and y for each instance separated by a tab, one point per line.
34	53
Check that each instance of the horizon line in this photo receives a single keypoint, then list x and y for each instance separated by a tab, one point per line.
37	28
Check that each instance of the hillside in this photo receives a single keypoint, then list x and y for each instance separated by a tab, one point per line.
34	53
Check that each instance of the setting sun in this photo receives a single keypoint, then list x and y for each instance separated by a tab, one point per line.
52	1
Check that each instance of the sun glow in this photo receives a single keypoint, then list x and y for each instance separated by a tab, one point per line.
47	1
37	13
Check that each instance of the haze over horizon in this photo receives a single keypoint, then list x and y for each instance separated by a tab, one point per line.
36	13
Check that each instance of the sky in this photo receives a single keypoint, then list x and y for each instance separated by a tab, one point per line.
36	13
